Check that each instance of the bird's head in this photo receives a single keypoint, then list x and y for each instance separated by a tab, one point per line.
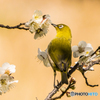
62	30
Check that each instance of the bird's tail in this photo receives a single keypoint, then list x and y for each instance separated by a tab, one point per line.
64	77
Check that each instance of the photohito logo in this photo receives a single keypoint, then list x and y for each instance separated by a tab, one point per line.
83	94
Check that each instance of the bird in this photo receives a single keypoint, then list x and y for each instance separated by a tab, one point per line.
59	51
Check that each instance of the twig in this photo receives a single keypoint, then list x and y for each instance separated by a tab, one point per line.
54	91
87	81
14	27
62	93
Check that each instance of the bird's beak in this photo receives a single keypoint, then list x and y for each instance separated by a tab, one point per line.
54	25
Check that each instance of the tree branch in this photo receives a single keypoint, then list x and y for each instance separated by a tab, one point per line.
14	27
62	93
72	70
87	81
87	69
55	90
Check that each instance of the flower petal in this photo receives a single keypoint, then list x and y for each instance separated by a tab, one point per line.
88	53
31	28
36	36
44	55
37	13
75	54
45	30
16	81
27	24
89	45
5	65
88	49
82	44
37	16
40	57
74	48
46	51
39	51
81	54
46	63
12	68
2	71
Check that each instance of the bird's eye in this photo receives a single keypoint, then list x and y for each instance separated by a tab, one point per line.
61	26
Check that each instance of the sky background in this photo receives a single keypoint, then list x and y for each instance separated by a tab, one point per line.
18	47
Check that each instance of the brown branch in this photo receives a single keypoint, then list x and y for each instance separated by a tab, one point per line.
86	69
72	70
53	92
62	93
87	81
14	27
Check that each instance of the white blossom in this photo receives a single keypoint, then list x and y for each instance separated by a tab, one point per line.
39	24
6	83
42	55
37	16
34	23
7	69
82	49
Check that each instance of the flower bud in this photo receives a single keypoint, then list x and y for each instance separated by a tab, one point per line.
72	87
63	89
72	81
98	52
68	94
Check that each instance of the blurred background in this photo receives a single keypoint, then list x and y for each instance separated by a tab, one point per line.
18	47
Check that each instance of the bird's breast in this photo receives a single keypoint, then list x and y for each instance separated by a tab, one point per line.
59	48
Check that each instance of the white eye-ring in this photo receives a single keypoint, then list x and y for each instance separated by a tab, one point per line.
61	26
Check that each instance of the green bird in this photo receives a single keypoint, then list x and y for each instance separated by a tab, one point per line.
59	51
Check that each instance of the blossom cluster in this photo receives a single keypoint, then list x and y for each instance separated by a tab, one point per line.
6	80
39	24
83	50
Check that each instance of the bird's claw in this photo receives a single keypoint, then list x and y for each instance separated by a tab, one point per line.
56	86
